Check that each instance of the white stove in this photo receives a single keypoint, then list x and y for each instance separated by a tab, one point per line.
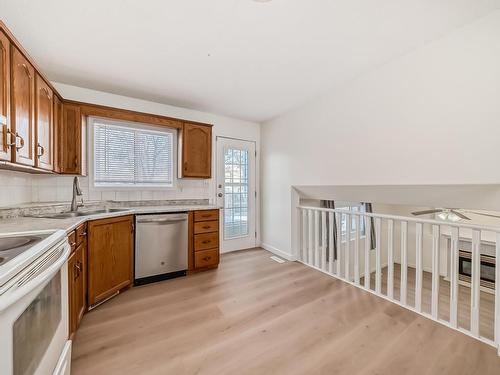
34	303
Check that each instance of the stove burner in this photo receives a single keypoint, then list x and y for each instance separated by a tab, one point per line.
11	243
10	247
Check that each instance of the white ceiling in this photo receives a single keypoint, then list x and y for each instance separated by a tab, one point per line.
240	58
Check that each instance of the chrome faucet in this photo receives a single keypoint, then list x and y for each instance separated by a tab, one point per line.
77	191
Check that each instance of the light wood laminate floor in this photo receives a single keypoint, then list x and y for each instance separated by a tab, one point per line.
486	302
256	316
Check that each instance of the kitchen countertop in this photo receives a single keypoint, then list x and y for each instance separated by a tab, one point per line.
25	224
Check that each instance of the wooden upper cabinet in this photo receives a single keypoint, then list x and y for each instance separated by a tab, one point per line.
5	136
110	257
196	151
23	108
72	141
44	130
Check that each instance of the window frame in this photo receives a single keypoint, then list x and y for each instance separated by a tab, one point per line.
133	125
349	208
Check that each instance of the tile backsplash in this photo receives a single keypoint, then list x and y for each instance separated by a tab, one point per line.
15	188
18	188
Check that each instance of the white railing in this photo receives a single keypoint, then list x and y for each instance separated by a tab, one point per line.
338	242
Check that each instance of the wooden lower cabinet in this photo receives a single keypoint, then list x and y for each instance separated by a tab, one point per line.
203	240
77	287
110	257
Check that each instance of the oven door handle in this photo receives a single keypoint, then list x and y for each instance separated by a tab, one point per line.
27	283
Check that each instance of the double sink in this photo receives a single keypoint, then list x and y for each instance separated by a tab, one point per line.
67	215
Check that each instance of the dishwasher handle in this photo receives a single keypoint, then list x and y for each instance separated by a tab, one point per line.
159	220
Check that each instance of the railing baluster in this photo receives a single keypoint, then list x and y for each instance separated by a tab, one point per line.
319	240
330	242
390	258
475	282
454	277
368	241
497	293
304	235
316	238
347	256
323	240
435	272
378	264
356	251
310	237
418	266
339	242
404	262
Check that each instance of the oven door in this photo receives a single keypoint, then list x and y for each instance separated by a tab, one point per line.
34	317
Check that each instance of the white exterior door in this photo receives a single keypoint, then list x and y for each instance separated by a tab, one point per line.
236	193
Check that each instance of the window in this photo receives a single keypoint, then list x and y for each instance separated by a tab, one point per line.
354	220
131	155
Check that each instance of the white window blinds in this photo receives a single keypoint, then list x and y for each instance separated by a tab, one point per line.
132	156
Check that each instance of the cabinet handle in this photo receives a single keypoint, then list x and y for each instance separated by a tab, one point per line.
41	150
6	133
21	142
77	271
46	92
83	234
72	244
206	227
206	241
207	258
185	166
26	69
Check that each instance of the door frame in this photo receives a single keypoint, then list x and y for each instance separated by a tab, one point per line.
257	189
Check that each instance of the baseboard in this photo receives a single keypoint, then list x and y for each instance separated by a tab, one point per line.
278	252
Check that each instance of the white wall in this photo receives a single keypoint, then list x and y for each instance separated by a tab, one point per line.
20	188
429	117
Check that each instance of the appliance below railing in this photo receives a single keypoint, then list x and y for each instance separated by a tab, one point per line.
404	263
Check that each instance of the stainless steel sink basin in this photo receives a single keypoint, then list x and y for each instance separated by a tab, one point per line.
67	215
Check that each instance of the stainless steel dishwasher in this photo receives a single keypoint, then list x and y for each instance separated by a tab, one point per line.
161	247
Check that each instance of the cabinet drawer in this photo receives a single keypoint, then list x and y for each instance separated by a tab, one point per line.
81	233
206	258
72	241
206	226
206	241
206	215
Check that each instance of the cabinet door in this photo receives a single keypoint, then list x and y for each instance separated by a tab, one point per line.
72	141
72	281
23	108
80	284
196	151
5	137
44	130
58	115
110	257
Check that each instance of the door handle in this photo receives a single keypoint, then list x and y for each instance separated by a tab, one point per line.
220	195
